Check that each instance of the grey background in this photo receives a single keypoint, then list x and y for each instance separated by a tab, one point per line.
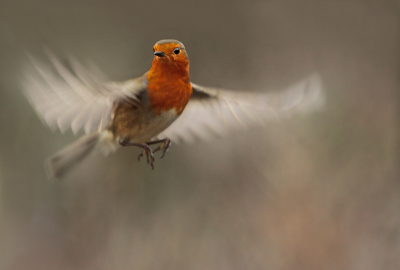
314	192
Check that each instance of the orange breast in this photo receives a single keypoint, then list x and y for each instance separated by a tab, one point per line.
169	87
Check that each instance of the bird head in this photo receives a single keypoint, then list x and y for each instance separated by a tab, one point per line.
170	51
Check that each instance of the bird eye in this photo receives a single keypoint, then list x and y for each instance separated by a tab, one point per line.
177	51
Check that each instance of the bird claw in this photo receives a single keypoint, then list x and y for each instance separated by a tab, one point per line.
141	154
164	146
149	155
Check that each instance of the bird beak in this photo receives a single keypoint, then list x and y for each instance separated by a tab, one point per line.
159	53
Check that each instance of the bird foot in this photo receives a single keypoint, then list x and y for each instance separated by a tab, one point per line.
149	155
164	147
146	150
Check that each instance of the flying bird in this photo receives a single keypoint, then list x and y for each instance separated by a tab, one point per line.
161	106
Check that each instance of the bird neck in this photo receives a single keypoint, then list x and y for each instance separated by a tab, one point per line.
169	86
168	68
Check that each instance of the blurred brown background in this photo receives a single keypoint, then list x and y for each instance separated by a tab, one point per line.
315	192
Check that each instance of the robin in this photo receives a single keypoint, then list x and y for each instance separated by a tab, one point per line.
160	106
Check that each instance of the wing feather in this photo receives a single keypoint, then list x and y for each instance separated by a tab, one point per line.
215	112
77	98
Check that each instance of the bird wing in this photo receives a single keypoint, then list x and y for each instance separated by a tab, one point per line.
75	98
212	111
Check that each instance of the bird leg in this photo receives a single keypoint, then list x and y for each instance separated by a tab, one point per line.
146	150
164	146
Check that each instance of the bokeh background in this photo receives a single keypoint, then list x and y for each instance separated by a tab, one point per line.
320	191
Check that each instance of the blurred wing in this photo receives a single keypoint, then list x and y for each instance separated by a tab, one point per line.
213	111
75	99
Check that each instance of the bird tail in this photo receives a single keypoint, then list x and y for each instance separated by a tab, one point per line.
63	161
